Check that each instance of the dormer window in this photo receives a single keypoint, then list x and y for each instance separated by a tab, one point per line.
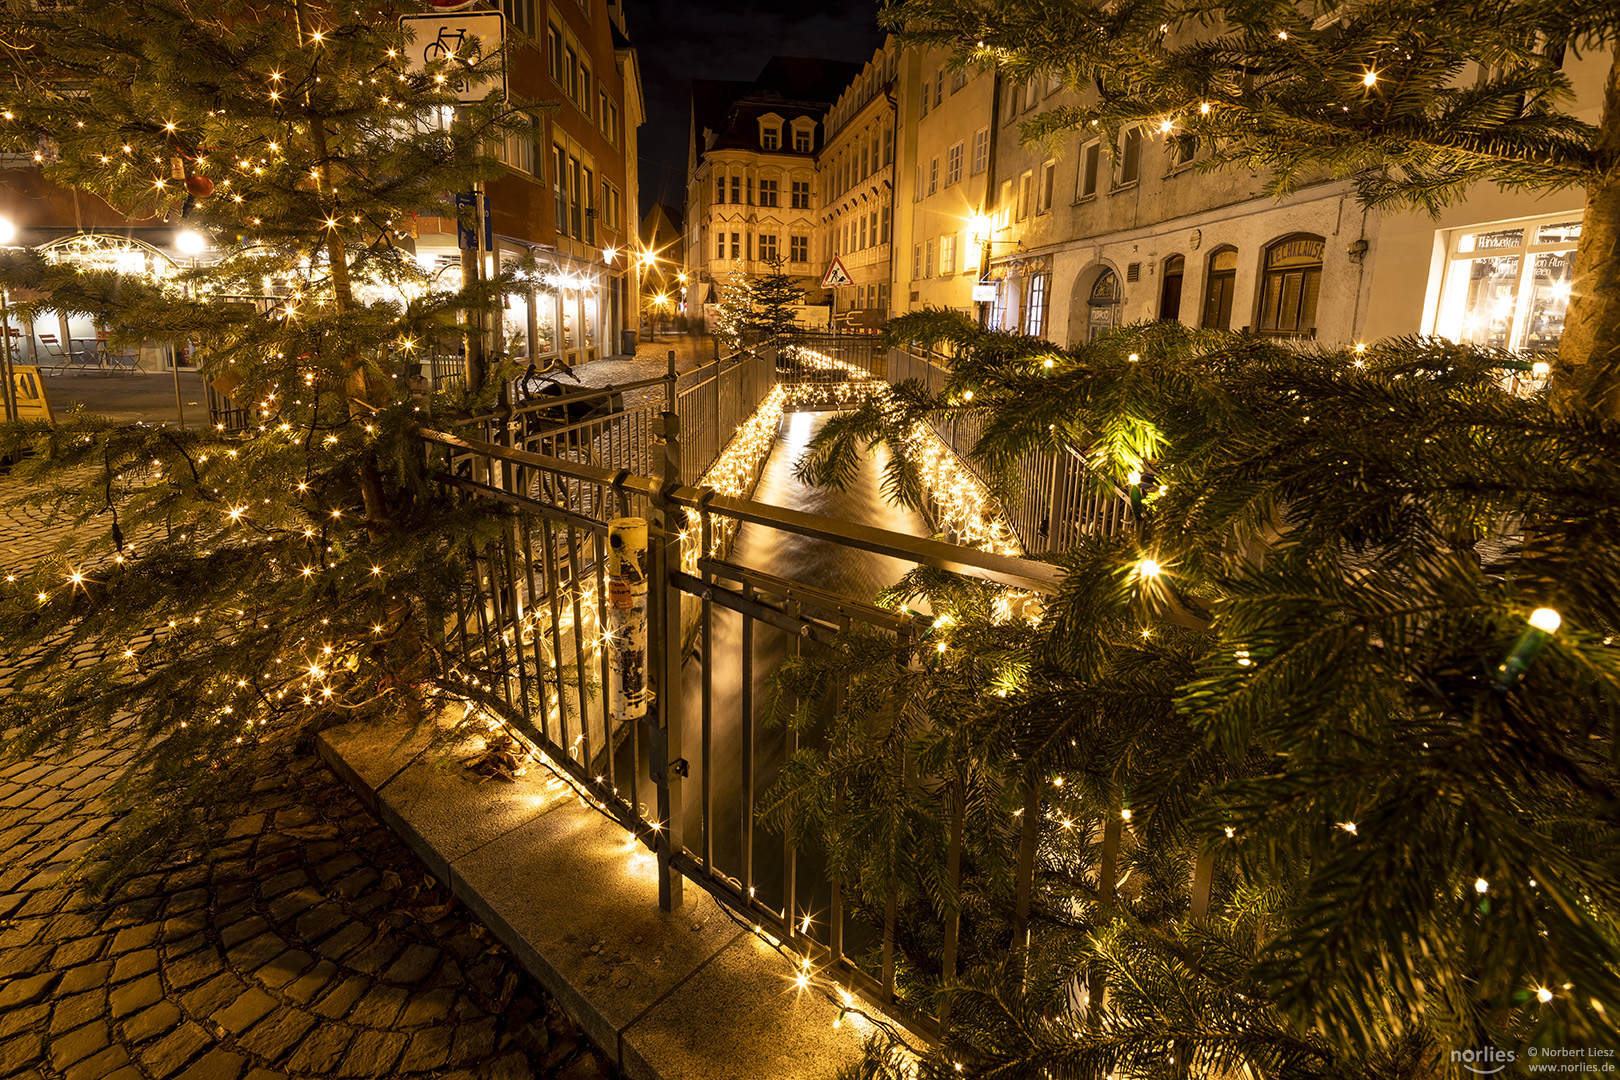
770	138
801	141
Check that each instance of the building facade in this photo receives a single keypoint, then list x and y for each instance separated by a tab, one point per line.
1105	232
950	147
568	193
856	182
751	194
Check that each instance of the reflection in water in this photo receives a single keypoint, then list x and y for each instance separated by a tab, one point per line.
827	566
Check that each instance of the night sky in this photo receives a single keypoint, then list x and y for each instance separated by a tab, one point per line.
681	40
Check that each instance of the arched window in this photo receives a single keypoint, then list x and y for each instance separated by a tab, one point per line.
1289	286
1103	304
1218	287
1175	268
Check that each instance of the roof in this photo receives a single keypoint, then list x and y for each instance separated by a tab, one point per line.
788	86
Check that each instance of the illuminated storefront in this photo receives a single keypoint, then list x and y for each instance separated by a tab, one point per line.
1507	285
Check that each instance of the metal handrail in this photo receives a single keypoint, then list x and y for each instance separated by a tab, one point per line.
988	565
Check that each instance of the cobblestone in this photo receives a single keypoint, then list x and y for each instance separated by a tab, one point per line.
312	943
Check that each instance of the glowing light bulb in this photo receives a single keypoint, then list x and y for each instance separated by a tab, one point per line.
1148	568
1546	620
1543	994
1481	886
1370	78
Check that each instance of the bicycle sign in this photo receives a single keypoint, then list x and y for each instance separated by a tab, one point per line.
462	39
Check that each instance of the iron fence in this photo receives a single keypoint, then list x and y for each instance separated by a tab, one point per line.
687	778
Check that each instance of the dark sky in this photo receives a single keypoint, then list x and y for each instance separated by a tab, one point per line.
681	40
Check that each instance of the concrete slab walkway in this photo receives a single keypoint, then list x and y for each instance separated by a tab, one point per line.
690	994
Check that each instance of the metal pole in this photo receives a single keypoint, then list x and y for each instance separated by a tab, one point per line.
668	765
5	329
627	618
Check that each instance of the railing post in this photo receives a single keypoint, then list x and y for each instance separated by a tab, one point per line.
1052	543
667	765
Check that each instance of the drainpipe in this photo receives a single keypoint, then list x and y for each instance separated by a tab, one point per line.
989	185
894	185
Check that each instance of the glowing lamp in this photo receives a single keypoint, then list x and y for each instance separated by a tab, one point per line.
8	231
191	242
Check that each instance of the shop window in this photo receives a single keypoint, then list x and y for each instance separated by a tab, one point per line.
1289	286
1035	307
1220	283
1508	287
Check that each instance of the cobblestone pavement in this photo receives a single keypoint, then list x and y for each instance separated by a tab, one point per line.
311	943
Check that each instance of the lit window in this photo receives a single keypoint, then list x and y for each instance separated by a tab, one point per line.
1507	287
953	165
1290	286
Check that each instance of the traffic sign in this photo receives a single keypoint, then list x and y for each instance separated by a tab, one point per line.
464	39
837	275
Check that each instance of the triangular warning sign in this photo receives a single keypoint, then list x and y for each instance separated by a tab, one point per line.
837	275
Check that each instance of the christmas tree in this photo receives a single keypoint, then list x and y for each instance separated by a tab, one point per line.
226	594
1319	677
1416	102
772	317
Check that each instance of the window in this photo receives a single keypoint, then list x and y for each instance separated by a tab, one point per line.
610	205
939	87
861	244
928	258
926	97
1035	306
767	246
874	224
736	245
958	79
866	162
518	150
770	138
1130	156
981	150
947	255
953	165
736	189
748	190
571	72
1508	287
933	175
1015	92
1289	287
748	246
719	189
888	146
1090	155
801	194
798	249
554	55
1183	150
1218	288
887	226
1024	183
1054	81
1048	182
559	187
720	246
917	189
590	206
1175	268
576	207
583	99
767	192
916	262
801	140
610	120
520	13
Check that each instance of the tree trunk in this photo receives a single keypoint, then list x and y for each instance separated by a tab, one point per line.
1589	352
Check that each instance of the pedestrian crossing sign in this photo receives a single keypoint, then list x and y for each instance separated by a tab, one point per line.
837	276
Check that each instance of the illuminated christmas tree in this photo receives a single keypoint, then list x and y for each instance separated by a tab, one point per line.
230	592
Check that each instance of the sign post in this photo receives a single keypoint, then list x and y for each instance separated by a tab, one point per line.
627	618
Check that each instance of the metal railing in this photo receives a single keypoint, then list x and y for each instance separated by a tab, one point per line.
686	778
1061	499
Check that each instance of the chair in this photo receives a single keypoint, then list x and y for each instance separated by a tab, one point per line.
124	361
60	358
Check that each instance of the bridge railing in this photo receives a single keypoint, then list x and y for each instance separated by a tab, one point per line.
1061	498
687	779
